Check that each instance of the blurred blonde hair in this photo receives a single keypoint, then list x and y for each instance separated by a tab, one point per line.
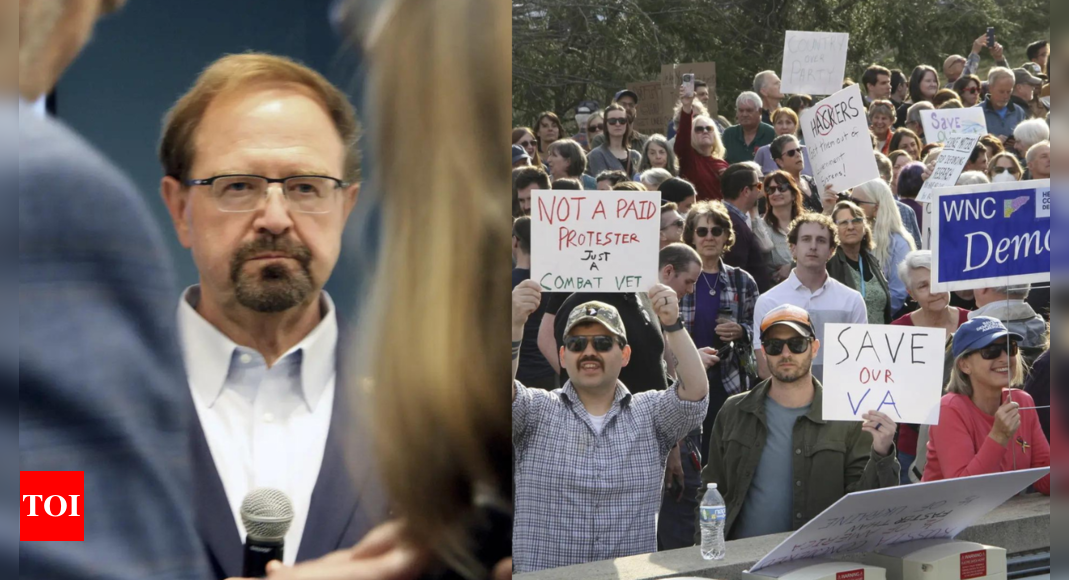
435	329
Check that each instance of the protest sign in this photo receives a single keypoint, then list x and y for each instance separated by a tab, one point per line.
896	370
651	118
866	520
991	235
672	76
814	63
939	124
955	156
837	136
595	241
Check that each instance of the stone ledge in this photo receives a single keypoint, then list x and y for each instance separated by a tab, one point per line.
1020	525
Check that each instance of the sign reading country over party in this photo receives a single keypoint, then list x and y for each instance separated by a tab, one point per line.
814	63
837	135
595	241
896	370
991	235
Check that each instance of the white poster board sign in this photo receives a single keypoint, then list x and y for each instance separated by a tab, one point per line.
955	156
595	241
837	135
896	370
939	124
867	520
814	63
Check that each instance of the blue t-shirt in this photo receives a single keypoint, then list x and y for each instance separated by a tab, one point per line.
706	309
770	500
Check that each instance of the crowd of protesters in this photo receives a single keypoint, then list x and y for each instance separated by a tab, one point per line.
626	404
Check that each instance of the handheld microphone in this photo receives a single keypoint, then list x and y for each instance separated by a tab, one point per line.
266	514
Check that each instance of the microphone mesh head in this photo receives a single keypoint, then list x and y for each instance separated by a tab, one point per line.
266	514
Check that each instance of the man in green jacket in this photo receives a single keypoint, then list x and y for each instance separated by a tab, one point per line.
777	463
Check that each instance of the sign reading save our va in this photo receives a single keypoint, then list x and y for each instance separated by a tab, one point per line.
896	370
595	241
991	235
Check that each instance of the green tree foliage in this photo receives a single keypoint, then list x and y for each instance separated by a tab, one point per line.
567	51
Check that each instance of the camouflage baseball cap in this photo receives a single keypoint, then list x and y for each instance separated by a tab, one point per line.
598	312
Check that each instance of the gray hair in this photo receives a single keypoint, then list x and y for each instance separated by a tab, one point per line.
1018	292
973	178
998	73
762	79
1032	132
913	114
1033	151
915	260
653	178
749	97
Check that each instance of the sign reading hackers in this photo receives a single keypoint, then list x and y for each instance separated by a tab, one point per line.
991	235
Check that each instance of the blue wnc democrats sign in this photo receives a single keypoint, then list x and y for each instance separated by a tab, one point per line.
991	235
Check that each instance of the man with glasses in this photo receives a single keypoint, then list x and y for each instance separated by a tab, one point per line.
590	456
742	189
774	458
671	225
259	165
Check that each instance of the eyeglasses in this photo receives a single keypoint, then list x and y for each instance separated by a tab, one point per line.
526	143
792	153
703	129
851	222
798	345
595	128
678	223
245	193
758	186
616	121
602	343
1000	169
993	351
971	91
701	232
857	201
782	188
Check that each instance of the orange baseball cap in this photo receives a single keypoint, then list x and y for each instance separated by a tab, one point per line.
789	315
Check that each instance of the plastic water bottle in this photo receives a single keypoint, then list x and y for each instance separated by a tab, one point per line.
714	516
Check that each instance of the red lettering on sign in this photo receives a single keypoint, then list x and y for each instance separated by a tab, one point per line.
974	565
851	575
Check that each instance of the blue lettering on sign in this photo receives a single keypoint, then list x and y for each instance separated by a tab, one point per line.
992	234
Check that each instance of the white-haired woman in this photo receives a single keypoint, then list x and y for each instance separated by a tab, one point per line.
1028	134
743	140
657	154
893	241
934	311
653	178
973	178
700	150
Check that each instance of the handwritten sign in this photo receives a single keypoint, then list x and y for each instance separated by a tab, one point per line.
940	124
991	235
955	156
896	370
672	76
651	118
867	520
836	133
595	241
814	63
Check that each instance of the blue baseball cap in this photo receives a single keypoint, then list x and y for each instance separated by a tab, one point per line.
980	332
519	153
626	93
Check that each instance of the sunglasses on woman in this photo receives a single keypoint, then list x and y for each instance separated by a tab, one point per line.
798	345
617	121
850	222
595	128
526	144
701	232
703	129
780	187
602	343
678	223
792	153
1012	170
993	351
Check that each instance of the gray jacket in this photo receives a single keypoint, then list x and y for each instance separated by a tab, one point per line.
601	159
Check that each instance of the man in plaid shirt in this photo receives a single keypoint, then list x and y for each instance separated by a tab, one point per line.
590	457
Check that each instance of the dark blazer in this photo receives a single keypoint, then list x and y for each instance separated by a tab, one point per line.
839	269
102	387
746	253
347	501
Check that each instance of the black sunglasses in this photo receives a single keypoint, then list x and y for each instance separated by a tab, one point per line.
602	343
1000	169
857	201
701	232
527	143
678	223
703	129
855	221
782	188
993	351
798	345
791	153
595	128
616	121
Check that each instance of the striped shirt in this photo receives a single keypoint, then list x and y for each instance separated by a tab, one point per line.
582	495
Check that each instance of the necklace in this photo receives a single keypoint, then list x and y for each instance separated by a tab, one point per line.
712	287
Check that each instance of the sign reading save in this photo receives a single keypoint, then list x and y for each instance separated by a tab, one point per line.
595	241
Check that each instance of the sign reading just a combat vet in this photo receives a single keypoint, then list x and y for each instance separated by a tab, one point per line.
595	241
991	235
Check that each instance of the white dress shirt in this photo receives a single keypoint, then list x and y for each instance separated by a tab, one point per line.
266	427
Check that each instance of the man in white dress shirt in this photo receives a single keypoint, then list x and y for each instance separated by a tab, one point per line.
259	163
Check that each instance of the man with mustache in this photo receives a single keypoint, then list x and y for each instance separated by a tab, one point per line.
259	164
776	461
590	457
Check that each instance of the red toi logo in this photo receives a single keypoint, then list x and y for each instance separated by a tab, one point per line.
51	506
